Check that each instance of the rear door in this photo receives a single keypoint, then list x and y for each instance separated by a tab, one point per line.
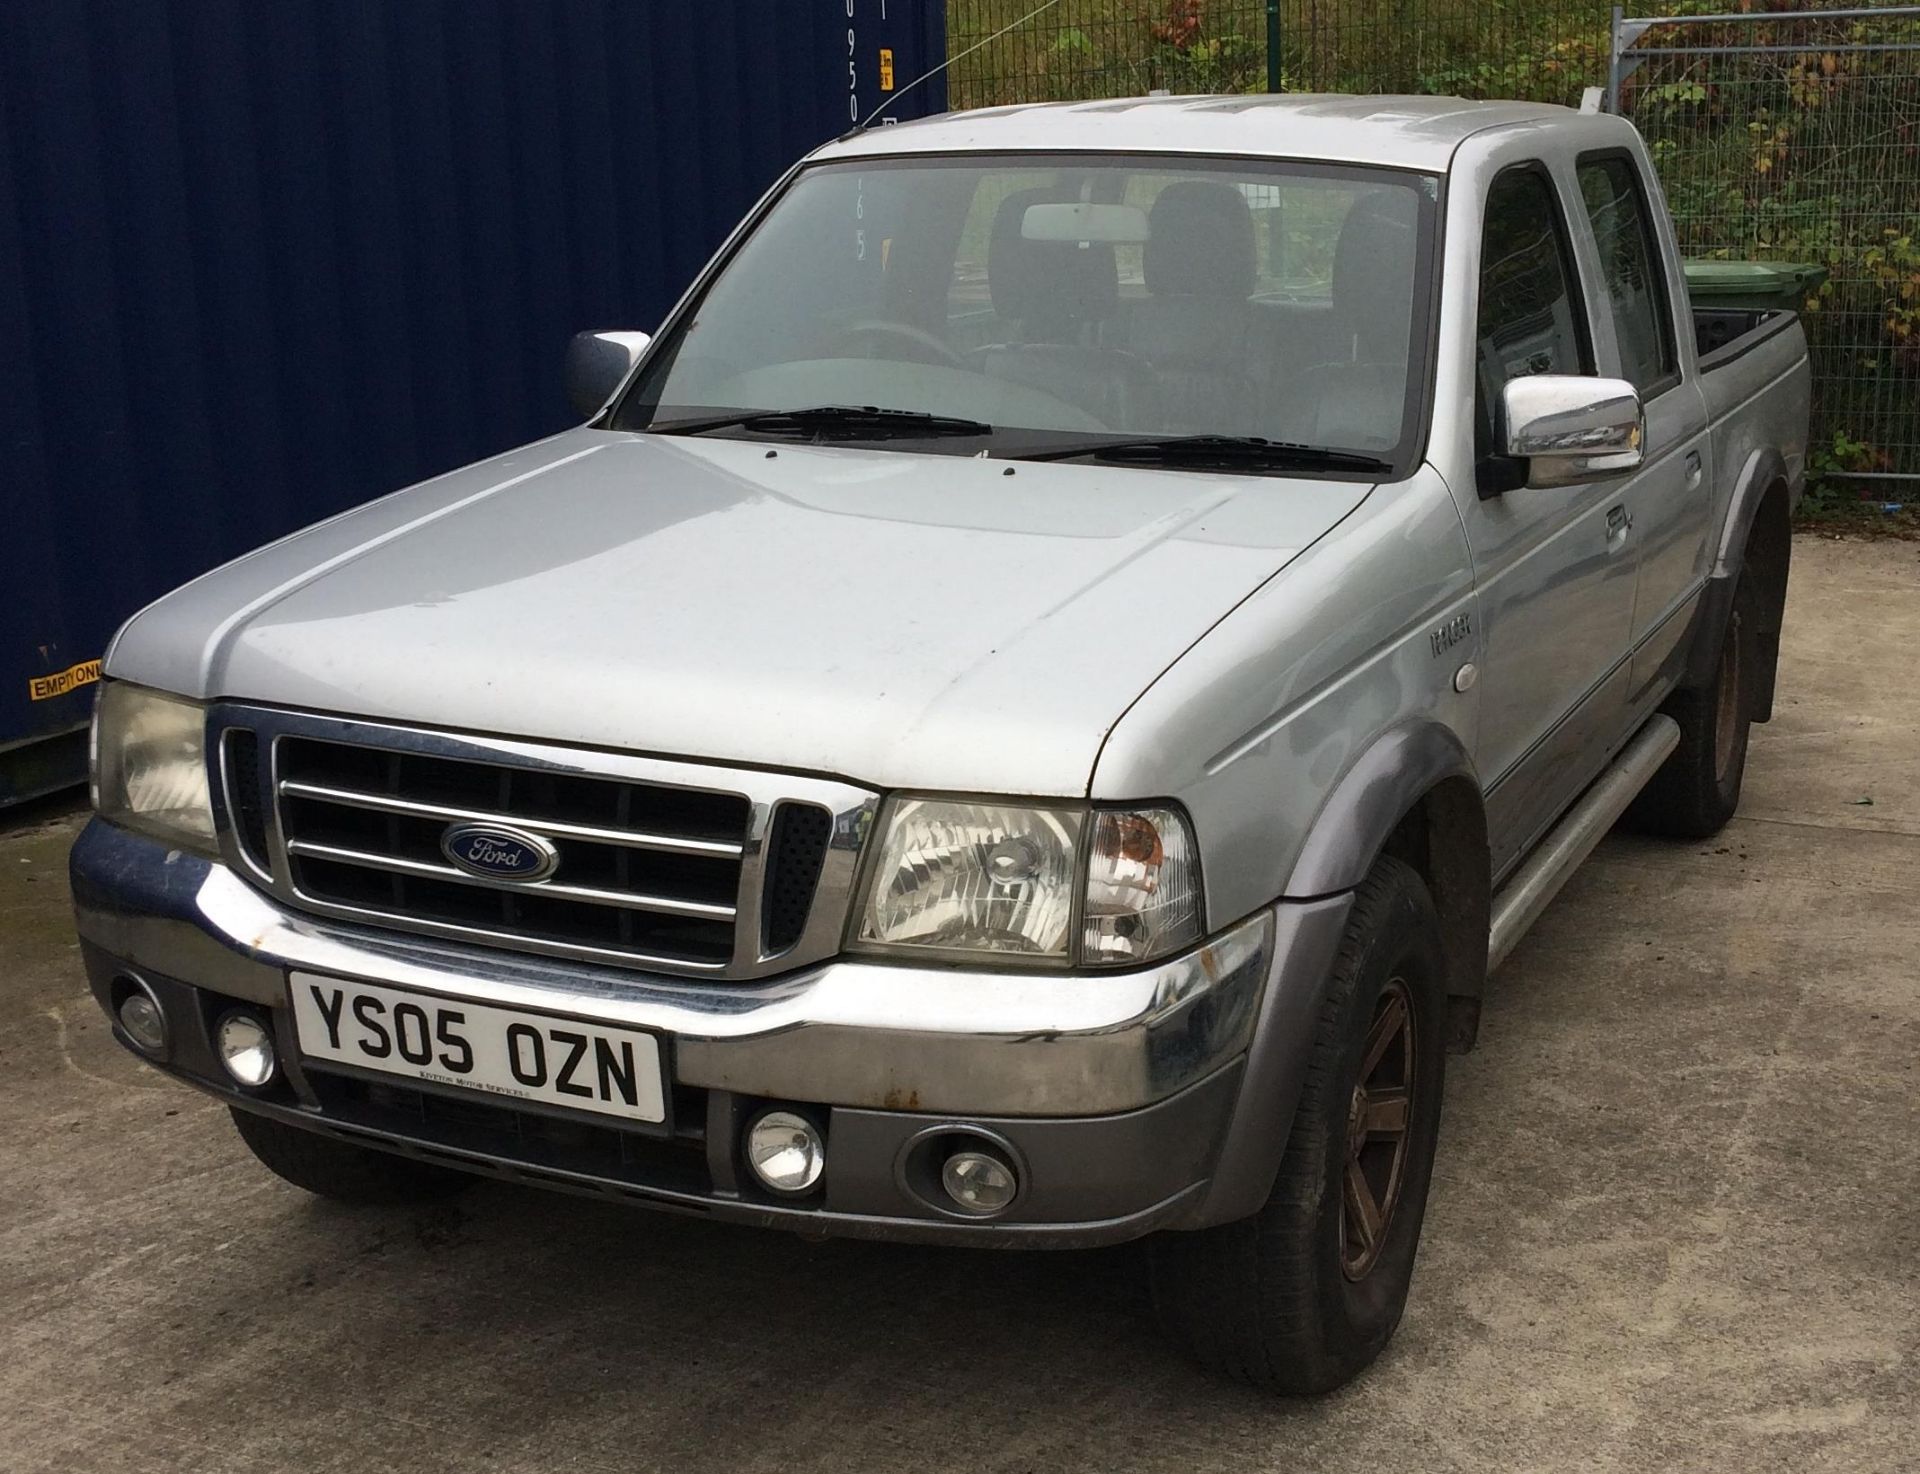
1669	500
1554	567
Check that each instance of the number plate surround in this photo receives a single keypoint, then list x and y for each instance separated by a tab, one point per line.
628	1066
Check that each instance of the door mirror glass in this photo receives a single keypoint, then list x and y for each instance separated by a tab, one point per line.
1568	428
598	364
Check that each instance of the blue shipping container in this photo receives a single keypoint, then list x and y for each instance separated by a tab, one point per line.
260	261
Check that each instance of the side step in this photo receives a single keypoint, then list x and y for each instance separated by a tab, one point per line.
1554	859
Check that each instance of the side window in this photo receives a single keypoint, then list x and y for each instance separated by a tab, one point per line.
1530	319
1624	233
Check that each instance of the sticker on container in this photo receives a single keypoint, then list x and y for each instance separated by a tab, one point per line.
886	69
45	688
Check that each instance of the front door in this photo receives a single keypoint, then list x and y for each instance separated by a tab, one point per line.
1554	567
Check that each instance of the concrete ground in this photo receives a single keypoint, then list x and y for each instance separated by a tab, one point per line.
1676	1224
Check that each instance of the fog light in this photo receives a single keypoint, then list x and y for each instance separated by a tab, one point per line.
785	1151
142	1021
979	1183
246	1049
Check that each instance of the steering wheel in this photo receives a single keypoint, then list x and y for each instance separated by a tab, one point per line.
931	349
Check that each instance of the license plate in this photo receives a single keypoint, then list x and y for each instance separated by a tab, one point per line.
497	1051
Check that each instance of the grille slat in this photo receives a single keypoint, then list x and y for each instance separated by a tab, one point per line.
621	836
512	890
399	881
623	865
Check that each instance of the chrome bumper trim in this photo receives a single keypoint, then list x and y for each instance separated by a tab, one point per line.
838	1033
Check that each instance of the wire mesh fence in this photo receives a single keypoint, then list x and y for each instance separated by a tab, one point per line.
1102	48
1777	138
1796	137
1543	50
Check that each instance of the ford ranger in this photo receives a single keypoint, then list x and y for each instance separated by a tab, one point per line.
1025	715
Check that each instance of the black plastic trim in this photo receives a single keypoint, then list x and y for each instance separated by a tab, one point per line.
1769	326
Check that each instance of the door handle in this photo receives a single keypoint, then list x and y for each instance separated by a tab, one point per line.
1619	523
1693	469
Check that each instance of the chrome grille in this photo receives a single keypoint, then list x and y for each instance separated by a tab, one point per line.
676	867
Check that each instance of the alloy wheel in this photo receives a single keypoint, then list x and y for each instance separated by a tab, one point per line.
1379	1121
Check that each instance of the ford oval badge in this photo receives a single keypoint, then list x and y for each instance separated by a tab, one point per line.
499	852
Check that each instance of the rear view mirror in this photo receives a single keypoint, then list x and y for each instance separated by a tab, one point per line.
1080	221
1568	428
597	364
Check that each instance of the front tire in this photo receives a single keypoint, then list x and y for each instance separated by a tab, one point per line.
341	1171
1307	1292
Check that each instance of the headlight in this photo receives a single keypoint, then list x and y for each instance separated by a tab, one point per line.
973	878
958	879
150	765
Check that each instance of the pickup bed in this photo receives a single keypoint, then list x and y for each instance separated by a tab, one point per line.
1025	715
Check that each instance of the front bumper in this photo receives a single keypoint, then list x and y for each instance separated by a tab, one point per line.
1114	1092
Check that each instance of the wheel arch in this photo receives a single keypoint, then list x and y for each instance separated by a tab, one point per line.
1756	539
1414	794
1762	476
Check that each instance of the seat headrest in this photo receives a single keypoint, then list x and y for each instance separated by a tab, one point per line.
1373	269
1200	242
1051	287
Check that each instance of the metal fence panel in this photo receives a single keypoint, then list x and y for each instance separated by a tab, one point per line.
1795	136
259	262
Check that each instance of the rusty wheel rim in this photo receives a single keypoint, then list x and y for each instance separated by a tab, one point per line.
1379	1122
1726	718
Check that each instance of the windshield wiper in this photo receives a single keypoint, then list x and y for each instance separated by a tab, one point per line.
848	420
1219	450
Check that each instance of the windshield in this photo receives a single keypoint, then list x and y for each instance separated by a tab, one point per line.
1036	302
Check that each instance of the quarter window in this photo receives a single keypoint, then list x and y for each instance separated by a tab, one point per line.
1630	264
1528	322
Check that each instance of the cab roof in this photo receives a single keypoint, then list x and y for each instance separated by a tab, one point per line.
1406	132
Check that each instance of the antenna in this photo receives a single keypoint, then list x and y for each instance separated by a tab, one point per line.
1010	26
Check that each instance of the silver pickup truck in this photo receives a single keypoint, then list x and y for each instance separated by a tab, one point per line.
1024	716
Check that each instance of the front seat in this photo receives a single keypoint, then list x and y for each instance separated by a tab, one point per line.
1194	326
1359	399
1058	297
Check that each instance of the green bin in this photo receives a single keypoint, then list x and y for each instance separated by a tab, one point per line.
1754	285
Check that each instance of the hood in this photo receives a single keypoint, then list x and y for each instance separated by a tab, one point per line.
898	619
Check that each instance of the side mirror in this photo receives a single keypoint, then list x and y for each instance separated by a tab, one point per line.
597	364
1568	429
